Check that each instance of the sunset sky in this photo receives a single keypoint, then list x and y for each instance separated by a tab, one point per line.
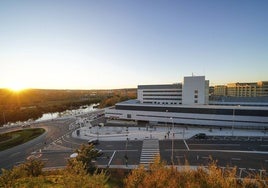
90	44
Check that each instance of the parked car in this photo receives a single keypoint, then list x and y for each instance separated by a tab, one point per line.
73	155
93	141
200	136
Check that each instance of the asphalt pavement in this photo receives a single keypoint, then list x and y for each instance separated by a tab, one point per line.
123	146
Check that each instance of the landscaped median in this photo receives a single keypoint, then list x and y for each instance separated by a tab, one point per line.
14	138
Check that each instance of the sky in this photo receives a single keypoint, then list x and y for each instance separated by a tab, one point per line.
108	44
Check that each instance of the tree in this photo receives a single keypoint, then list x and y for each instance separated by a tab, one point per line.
31	168
86	154
29	174
158	175
76	175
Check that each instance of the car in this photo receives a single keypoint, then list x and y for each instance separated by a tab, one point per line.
93	141
200	136
73	155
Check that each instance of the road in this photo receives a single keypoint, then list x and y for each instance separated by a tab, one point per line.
56	129
246	153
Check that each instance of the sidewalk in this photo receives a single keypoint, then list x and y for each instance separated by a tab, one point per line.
108	133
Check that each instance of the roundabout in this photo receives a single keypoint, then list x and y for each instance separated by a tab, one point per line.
18	137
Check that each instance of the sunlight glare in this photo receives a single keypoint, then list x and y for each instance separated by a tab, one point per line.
16	87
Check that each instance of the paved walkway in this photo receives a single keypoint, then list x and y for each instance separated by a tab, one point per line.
150	149
140	133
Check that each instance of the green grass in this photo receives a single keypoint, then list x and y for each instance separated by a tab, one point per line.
11	139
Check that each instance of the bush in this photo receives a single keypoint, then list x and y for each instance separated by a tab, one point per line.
159	175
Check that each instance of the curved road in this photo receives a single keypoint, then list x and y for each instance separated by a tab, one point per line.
18	154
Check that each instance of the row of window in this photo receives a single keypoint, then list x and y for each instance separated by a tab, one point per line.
177	95
196	96
158	99
153	116
213	111
149	102
162	91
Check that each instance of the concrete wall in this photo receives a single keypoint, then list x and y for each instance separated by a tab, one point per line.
195	90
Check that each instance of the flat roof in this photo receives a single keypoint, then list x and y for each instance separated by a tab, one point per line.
161	86
137	103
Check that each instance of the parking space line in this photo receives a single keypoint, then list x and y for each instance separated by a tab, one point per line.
186	145
109	163
214	144
122	150
225	151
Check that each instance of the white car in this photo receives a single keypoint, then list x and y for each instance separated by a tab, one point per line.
73	155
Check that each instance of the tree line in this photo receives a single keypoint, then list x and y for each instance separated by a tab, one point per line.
32	103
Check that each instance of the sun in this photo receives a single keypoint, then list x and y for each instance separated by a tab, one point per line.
16	87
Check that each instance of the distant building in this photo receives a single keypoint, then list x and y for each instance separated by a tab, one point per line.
242	89
262	88
220	90
253	89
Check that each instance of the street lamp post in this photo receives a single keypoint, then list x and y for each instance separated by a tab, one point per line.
166	115
233	121
126	157
172	147
98	132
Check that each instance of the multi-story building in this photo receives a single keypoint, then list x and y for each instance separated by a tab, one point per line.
187	103
220	90
262	88
253	89
242	89
194	90
160	94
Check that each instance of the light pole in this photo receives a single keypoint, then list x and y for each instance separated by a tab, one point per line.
183	132
172	146
166	121
98	132
233	121
126	157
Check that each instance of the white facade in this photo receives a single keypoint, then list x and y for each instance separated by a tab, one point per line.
195	90
213	115
186	103
170	94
